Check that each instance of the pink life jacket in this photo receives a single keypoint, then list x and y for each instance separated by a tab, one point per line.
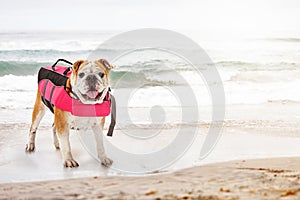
52	82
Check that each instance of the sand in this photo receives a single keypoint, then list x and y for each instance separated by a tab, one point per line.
276	178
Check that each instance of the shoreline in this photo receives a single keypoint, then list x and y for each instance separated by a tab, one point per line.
272	178
243	137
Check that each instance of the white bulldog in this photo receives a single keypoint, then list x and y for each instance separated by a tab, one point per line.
89	82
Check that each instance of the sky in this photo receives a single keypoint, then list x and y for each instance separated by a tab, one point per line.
231	16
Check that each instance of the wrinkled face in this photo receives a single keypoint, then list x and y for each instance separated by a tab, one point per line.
90	80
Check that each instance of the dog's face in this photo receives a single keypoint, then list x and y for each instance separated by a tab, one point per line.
90	80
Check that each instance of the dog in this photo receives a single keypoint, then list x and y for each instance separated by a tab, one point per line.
89	82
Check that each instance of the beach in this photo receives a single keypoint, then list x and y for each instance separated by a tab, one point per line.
254	156
272	138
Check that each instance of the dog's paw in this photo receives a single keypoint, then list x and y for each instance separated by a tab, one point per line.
30	147
106	161
56	145
70	163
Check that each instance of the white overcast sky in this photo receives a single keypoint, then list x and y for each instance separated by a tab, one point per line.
99	15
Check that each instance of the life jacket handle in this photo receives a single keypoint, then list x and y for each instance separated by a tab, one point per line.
63	60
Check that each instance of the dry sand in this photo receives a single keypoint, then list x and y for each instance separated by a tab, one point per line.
276	178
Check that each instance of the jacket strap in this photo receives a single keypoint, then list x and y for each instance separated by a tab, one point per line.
112	115
66	71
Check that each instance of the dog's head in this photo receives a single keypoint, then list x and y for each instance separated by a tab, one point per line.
90	80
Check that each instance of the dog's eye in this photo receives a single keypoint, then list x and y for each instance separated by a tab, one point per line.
81	75
101	74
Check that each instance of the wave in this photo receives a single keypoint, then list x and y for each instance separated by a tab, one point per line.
251	66
283	101
166	72
45	55
125	79
265	76
296	40
42	51
124	76
20	68
20	91
52	51
141	67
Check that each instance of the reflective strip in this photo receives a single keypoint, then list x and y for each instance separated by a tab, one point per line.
51	94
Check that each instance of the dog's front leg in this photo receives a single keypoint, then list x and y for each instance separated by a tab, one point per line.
100	148
65	149
37	115
62	131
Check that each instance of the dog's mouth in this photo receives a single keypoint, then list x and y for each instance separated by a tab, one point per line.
92	95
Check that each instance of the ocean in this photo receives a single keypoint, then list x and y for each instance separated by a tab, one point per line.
253	70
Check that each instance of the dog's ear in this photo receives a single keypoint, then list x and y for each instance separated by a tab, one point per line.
77	64
105	64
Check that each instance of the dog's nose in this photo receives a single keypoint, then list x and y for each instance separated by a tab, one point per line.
91	79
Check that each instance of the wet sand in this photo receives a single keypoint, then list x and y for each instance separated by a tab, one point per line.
276	178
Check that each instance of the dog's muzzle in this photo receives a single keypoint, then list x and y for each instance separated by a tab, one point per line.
93	84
